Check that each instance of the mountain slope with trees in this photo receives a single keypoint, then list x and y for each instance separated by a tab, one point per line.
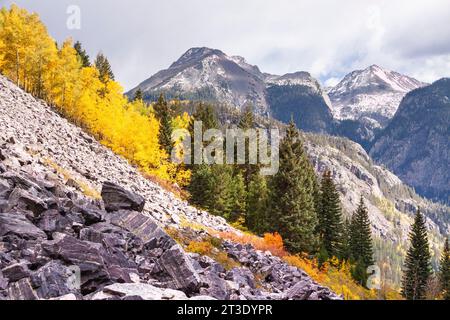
415	144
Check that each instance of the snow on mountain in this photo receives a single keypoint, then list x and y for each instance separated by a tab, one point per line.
210	74
373	92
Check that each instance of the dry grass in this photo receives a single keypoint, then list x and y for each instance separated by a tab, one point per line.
67	175
168	186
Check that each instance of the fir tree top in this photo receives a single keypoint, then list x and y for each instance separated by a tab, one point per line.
138	96
361	235
104	68
417	268
82	54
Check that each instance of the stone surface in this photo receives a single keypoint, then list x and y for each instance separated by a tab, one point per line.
117	198
180	267
144	291
17	224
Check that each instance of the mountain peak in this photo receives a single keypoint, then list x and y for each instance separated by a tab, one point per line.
195	54
375	67
374	92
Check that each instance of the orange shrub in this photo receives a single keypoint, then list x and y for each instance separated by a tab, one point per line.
270	242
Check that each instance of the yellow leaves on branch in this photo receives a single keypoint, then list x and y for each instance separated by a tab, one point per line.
32	59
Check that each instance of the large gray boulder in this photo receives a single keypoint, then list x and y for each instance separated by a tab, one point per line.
22	290
22	199
180	267
54	280
15	223
117	198
16	271
98	266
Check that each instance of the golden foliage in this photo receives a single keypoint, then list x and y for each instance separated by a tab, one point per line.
31	58
200	247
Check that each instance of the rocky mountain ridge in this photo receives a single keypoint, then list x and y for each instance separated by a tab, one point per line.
60	238
210	74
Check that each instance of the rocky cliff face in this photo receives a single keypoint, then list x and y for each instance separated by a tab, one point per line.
415	145
78	222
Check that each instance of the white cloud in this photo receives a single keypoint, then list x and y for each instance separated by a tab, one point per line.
331	82
326	37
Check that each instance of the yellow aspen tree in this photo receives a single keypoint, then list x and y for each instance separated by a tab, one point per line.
14	44
62	80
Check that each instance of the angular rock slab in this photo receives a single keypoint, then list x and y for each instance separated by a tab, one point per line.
143	227
22	290
179	266
117	198
142	290
98	266
17	224
54	280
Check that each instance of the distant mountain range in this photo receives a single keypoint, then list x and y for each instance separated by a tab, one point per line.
362	107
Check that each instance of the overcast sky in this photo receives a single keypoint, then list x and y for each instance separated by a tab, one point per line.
328	38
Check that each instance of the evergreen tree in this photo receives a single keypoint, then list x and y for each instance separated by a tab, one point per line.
82	55
138	95
257	202
215	189
444	273
246	122
205	114
361	247
417	269
238	197
163	114
292	206
104	68
330	217
344	251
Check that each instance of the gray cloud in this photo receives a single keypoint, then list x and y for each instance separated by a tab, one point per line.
326	37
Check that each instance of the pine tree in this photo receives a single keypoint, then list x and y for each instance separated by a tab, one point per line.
215	188
361	247
444	272
330	217
138	95
292	206
163	114
104	68
82	55
257	202
344	250
246	122
206	114
417	269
